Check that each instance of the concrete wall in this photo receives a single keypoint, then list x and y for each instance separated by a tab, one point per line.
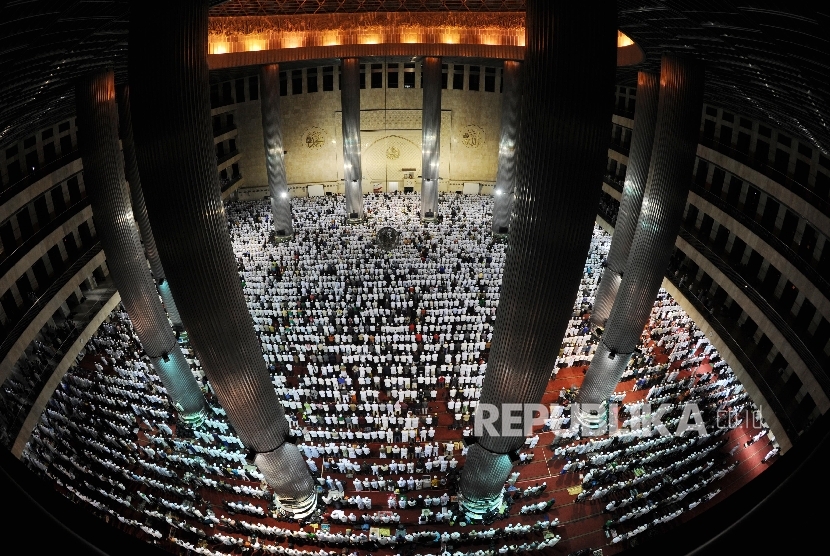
391	137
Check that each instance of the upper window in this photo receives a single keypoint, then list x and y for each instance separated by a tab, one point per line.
377	76
296	82
475	78
458	77
409	76
328	78
311	80
392	76
490	80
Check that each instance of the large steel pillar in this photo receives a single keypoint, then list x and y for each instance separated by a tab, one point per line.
565	121
672	160
431	137
168	69
104	179
511	78
352	170
642	140
139	208
269	95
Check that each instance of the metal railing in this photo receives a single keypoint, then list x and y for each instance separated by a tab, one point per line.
766	308
767	390
800	189
810	272
14	188
30	242
27	318
225	157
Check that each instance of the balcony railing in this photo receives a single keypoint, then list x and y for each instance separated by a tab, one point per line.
225	157
230	182
622	148
217	131
766	308
50	292
800	189
14	188
810	272
767	390
13	257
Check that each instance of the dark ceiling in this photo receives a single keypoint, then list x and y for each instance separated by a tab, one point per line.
767	60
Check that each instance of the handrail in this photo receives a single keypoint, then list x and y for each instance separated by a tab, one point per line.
769	311
230	183
802	190
613	182
225	157
771	239
217	131
734	346
766	389
14	188
41	234
16	420
620	148
79	323
45	297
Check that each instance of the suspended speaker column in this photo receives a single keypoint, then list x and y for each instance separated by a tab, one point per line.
642	140
269	88
565	122
168	69
511	78
672	160
139	208
352	171
104	179
431	137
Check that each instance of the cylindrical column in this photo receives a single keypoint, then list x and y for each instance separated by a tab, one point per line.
672	160
565	121
511	97
431	137
642	140
168	69
352	170
269	98
104	179
139	208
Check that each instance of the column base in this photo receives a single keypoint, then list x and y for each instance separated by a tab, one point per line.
298	509
594	421
194	419
482	509
274	239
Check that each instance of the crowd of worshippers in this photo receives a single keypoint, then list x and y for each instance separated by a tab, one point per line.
366	324
29	374
609	208
337	317
150	478
644	478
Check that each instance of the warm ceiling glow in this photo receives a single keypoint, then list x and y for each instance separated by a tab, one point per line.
370	39
255	33
623	40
